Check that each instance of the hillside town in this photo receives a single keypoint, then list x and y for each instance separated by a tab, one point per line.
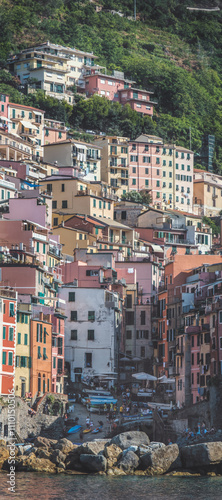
110	251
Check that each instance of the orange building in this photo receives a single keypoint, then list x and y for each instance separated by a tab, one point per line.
41	353
8	306
170	306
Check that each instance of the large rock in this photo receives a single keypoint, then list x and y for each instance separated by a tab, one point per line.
203	454
34	464
4	454
131	438
143	450
93	463
72	460
112	453
42	442
92	447
160	460
43	453
129	461
57	456
65	446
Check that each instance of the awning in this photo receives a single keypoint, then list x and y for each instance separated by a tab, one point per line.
144	376
28	125
156	248
5	119
37	113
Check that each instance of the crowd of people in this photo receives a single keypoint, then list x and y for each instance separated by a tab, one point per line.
200	430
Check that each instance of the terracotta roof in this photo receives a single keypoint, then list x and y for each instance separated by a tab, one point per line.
28	107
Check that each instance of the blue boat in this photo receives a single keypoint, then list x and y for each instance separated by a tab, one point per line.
74	429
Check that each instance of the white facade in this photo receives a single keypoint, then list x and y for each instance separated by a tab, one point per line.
91	330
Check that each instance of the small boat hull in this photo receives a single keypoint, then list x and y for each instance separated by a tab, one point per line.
74	429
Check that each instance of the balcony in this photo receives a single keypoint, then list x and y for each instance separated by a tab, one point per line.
193	329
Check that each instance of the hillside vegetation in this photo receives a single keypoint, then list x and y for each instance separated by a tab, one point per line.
169	50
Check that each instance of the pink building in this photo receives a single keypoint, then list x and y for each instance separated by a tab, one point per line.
139	100
145	171
54	131
116	88
4	101
37	207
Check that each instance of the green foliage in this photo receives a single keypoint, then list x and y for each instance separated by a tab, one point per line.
134	196
212	224
170	50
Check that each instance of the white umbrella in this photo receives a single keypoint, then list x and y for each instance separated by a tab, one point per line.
144	376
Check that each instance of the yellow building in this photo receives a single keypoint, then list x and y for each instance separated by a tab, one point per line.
28	123
115	163
207	195
74	238
177	177
22	350
73	196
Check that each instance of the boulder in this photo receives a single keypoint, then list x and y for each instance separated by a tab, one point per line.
72	461
112	453
57	456
20	450
43	453
65	446
92	447
93	463
160	460
142	450
4	454
129	461
40	465
203	454
131	438
42	442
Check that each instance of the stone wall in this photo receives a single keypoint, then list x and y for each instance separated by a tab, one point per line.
39	424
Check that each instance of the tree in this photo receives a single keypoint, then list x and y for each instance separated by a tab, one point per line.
136	197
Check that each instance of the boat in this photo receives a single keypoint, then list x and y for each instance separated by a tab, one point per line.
75	429
98	429
86	431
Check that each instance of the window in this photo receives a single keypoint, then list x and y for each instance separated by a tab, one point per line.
25	339
44	353
129	318
73	316
143	317
64	204
73	335
157	183
146	171
11	309
133	158
54	204
39	352
157	161
134	182
134	170
4	332
54	362
94	203
4	358
88	360
91	335
128	334
91	315
55	221
72	296
11	334
10	358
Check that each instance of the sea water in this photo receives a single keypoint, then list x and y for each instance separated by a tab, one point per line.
35	486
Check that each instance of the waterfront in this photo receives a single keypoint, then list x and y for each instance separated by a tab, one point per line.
84	487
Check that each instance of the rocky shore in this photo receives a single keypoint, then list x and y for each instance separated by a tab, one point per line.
127	453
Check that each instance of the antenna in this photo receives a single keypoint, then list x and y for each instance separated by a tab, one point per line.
134	10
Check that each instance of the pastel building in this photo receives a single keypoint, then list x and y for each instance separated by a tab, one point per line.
85	158
8	311
207	194
91	334
22	352
4	102
54	131
41	353
145	170
55	67
115	163
117	88
7	188
14	148
28	122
